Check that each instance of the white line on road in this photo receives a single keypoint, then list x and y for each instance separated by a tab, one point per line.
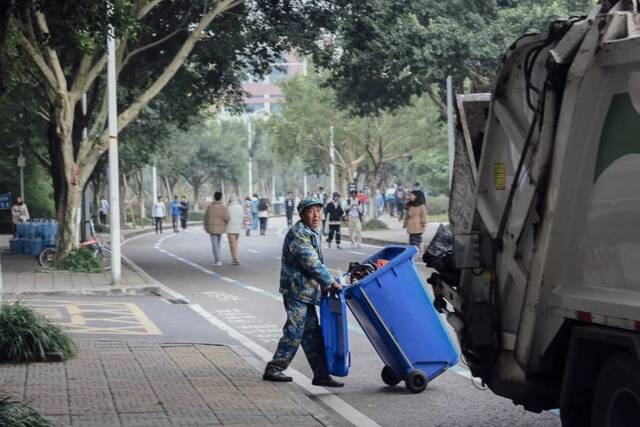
347	411
253	251
228	279
358	253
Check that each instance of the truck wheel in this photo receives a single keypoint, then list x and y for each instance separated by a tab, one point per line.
389	376
416	382
616	396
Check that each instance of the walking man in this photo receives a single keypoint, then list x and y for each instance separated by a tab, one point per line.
104	211
334	216
289	205
303	277
354	215
184	212
175	213
216	218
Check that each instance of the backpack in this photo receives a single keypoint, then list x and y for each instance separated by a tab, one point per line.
262	205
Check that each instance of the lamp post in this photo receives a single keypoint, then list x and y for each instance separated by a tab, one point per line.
21	164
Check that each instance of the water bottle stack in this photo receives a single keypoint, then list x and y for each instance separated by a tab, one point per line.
33	236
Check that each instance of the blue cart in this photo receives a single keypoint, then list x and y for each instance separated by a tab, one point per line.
397	315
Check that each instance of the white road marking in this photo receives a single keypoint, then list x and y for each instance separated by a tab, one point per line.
253	251
347	411
222	296
358	253
228	279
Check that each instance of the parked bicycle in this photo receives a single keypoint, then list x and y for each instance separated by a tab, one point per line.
47	257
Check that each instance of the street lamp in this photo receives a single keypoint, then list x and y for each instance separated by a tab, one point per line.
21	164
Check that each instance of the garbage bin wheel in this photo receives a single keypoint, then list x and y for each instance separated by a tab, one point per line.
389	376
416	382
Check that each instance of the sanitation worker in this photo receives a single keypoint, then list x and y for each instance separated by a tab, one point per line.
303	278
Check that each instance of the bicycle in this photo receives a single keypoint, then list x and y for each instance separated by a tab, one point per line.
47	257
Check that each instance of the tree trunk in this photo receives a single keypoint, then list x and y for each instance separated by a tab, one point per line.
196	195
140	182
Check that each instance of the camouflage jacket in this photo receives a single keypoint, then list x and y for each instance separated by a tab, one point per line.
303	273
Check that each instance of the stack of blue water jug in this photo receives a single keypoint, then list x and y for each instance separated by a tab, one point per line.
33	236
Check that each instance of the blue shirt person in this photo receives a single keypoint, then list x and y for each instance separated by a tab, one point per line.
303	277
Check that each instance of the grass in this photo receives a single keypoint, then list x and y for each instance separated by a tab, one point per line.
438	218
80	261
375	224
14	413
27	336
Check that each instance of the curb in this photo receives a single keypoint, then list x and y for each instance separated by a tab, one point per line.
119	291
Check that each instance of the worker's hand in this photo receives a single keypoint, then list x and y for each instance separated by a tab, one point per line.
336	286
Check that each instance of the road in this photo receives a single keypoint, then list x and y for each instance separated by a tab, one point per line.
242	302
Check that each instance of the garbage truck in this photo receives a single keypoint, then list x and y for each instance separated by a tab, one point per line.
543	283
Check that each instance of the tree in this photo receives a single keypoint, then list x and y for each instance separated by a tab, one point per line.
64	43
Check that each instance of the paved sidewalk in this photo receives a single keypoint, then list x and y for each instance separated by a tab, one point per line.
118	383
21	275
394	235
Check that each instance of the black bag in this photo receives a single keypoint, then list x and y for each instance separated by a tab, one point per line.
439	254
263	205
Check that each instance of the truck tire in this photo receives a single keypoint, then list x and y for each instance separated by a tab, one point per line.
616	396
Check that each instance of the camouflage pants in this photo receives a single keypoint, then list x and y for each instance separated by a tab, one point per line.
301	327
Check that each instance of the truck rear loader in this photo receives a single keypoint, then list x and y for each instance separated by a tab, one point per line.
545	293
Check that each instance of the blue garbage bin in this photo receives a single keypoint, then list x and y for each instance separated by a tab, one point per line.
335	334
396	313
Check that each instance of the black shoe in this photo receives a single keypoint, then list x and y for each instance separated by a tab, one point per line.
326	382
276	376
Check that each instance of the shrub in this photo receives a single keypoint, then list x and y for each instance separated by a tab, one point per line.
375	224
437	205
17	414
27	336
80	260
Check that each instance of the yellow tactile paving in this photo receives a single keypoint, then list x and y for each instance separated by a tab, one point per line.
89	317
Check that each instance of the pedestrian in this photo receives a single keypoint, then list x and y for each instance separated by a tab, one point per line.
364	200
175	213
234	227
303	277
354	216
254	211
379	203
263	214
334	214
247	222
418	187
389	198
19	213
415	219
289	205
400	201
322	196
104	211
215	221
184	212
158	212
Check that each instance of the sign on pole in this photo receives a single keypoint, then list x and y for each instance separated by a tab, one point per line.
5	201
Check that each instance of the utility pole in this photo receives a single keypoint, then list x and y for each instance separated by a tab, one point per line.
332	154
250	160
154	183
451	137
114	184
305	187
21	164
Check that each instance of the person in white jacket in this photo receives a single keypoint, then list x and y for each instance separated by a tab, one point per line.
234	227
158	212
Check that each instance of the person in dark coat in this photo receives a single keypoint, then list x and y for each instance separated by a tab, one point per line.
290	206
184	212
334	213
